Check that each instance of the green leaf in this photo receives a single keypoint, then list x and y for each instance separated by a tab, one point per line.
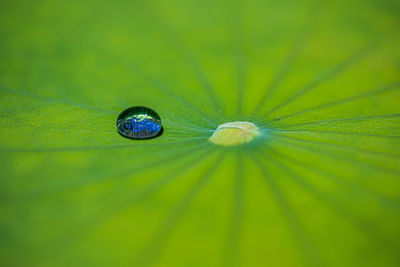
319	187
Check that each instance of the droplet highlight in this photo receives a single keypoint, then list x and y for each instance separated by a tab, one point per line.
234	133
139	123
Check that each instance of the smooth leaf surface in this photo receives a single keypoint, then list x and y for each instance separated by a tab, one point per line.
320	187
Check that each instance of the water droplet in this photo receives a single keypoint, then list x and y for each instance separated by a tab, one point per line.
139	123
234	133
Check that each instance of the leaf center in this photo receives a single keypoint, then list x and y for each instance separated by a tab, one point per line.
234	133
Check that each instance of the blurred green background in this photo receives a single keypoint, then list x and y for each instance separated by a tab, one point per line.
320	187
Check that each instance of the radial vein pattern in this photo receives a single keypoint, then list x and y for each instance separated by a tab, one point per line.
319	187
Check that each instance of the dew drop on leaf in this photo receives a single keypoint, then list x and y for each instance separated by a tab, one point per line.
139	123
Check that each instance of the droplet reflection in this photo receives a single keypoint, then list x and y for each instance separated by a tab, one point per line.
139	123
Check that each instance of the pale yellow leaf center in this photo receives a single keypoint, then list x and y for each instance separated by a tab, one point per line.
234	133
